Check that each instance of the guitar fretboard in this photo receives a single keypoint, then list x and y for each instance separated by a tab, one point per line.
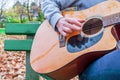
111	19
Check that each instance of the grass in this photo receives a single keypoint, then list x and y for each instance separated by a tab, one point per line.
2	30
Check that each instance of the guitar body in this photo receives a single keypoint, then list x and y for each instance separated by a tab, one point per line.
66	62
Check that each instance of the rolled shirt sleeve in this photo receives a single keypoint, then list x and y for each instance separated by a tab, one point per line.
51	10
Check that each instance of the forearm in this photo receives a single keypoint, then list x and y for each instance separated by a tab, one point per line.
51	10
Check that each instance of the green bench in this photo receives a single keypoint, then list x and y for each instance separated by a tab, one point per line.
2	30
28	29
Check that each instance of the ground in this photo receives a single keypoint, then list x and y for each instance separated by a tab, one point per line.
12	63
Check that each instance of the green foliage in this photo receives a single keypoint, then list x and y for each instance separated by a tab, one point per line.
25	20
20	14
12	17
2	25
41	17
12	20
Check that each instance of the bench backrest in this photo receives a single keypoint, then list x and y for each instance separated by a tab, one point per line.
20	29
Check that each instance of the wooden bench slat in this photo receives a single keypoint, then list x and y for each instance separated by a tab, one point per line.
17	28
18	45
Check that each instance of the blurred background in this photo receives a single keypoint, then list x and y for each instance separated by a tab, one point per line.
20	11
12	63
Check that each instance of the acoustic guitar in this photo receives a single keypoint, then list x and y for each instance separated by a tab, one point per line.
63	58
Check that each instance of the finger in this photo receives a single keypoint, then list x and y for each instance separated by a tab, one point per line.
74	21
77	28
64	33
61	31
81	21
72	26
67	30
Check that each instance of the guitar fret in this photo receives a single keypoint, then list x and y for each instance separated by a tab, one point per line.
112	19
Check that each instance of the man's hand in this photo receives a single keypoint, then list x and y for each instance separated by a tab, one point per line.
67	25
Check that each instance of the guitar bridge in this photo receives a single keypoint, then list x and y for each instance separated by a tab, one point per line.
62	41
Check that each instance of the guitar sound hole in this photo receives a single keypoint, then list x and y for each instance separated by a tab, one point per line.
92	26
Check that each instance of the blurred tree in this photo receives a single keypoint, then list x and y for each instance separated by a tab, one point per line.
22	11
19	9
36	9
2	6
11	16
33	10
28	10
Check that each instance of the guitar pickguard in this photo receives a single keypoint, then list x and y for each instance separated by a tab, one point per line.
75	45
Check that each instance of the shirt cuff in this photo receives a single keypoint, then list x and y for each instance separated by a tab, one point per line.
54	19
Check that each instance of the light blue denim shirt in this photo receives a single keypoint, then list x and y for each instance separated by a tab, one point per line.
52	8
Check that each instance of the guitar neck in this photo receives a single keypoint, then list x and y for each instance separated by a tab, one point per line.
111	19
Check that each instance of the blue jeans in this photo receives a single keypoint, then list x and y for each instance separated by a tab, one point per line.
105	68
